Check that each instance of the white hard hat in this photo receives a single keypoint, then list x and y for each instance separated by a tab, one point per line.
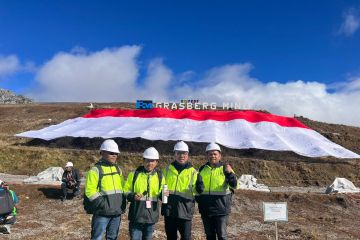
212	147
181	146
1	182
151	153
109	145
69	164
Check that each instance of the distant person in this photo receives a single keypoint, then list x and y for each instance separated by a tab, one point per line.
183	183
8	200
104	195
70	180
215	201
143	188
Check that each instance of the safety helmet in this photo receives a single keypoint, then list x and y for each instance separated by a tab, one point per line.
109	145
69	164
151	153
181	146
212	146
1	182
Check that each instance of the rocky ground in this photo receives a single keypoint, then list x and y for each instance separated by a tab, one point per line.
311	216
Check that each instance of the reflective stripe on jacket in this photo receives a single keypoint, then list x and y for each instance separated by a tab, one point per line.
144	183
181	187
109	200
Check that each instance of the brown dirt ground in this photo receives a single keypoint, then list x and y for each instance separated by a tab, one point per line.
311	216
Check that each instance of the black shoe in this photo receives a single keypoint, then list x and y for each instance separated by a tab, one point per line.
7	229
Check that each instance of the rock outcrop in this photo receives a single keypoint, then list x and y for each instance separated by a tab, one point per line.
8	97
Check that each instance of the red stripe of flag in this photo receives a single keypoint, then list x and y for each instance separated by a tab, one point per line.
198	115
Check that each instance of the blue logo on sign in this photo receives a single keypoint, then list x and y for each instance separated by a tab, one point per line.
144	104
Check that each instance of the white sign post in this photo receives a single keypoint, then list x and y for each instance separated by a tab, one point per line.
275	212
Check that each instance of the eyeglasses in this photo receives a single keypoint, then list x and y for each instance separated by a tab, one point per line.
181	153
112	153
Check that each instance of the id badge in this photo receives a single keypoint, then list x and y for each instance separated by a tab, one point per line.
148	203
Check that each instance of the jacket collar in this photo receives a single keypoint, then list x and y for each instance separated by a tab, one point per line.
220	164
142	169
180	167
103	162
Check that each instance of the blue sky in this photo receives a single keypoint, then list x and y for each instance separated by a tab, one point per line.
196	49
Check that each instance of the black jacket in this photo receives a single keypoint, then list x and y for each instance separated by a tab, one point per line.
75	176
217	205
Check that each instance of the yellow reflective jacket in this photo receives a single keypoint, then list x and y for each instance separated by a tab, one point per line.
149	184
182	188
214	180
215	200
106	196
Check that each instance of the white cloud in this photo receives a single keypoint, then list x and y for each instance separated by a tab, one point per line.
352	86
233	84
113	75
9	65
107	75
350	24
157	81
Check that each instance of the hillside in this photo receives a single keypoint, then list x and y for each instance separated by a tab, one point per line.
312	216
29	156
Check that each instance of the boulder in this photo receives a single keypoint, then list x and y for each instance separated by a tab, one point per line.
249	182
342	185
52	175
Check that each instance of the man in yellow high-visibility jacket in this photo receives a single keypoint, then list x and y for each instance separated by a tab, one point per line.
183	182
143	188
104	189
215	201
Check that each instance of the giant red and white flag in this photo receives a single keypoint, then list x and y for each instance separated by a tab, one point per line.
233	129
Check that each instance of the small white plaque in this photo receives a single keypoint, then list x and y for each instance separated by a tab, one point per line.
275	211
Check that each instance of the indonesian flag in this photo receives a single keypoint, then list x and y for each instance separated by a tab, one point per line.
233	129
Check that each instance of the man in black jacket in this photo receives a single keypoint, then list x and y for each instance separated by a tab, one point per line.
70	180
214	202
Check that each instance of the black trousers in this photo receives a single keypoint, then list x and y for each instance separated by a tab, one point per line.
64	188
215	226
172	225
